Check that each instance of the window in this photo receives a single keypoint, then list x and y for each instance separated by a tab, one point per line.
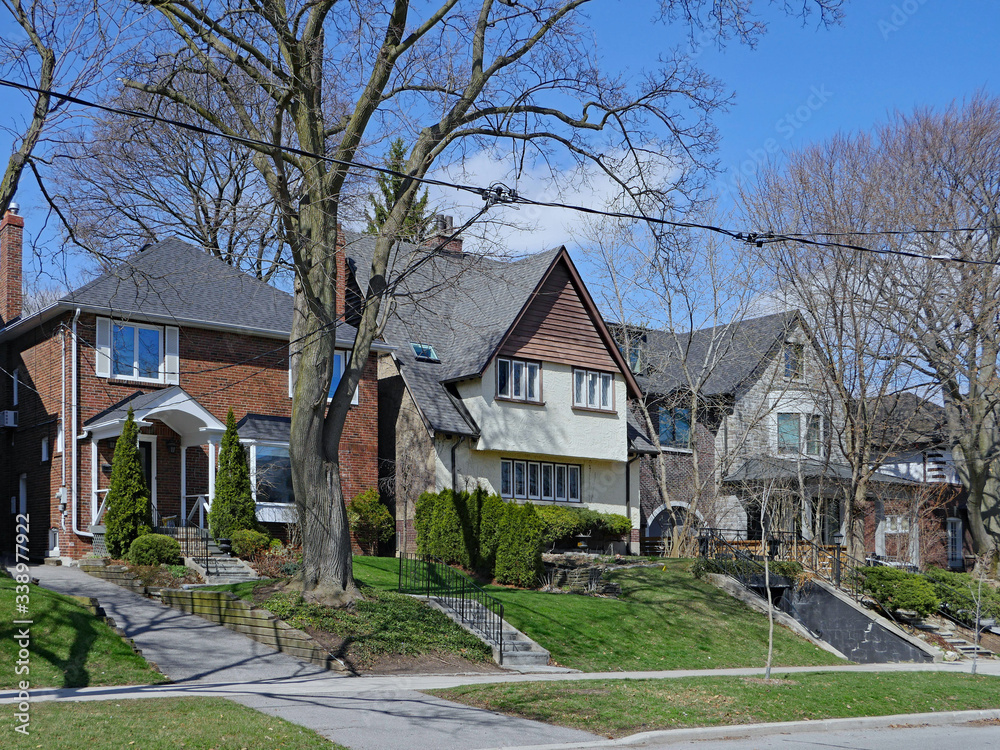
135	351
424	352
793	360
272	474
788	433
530	480
593	390
60	438
519	380
45	449
897	525
340	360
675	427
814	434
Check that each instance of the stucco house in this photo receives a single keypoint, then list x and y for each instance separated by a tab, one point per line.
180	337
766	428
502	375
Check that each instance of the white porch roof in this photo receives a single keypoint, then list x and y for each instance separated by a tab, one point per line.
173	406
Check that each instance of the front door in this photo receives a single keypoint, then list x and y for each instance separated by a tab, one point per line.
148	465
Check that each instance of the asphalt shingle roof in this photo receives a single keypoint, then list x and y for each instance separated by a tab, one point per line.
733	352
787	469
173	280
461	304
265	428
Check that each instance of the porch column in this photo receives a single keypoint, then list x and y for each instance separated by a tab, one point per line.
807	518
184	506
879	527
93	481
211	471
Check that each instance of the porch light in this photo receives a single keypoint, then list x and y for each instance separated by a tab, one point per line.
172	445
838	539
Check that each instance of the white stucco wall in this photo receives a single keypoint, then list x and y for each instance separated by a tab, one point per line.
553	428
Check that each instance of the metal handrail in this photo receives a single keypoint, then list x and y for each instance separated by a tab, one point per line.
193	541
738	563
430	577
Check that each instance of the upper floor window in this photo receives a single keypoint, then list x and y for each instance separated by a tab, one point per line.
801	433
137	351
593	390
794	354
675	427
340	360
519	380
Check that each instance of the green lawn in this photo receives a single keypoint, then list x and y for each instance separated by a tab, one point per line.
665	619
616	708
160	724
70	647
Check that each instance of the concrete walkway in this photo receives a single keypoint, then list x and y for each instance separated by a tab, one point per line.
366	713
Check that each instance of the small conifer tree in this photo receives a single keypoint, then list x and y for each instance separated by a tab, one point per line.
233	508
129	513
390	187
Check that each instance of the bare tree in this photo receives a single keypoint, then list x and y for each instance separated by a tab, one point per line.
926	185
65	45
328	76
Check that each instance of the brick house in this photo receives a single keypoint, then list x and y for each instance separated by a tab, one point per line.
180	337
502	375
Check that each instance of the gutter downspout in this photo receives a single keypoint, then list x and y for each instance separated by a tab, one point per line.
76	452
62	427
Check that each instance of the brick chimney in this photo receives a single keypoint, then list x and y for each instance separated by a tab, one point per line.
11	231
442	228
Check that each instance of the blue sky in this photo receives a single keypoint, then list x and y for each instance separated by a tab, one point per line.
799	85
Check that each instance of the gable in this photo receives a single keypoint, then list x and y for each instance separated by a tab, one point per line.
557	327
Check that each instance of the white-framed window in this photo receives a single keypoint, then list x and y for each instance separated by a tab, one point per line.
340	360
60	437
424	352
519	380
897	524
45	449
535	480
802	433
127	350
271	473
593	390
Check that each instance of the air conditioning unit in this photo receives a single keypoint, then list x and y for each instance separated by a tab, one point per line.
8	419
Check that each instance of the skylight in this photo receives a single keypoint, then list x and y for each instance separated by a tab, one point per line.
425	352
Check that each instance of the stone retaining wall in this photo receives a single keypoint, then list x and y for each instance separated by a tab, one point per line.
228	610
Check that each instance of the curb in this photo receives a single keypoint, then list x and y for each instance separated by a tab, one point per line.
750	731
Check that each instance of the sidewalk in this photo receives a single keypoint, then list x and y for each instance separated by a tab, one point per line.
369	713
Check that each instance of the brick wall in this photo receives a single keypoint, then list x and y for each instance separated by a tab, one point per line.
220	370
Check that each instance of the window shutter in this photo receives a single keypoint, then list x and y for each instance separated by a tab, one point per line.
291	379
171	355
103	364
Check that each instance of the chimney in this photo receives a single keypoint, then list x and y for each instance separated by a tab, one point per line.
442	229
11	231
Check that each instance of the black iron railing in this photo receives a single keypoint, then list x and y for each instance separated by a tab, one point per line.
454	591
193	541
735	561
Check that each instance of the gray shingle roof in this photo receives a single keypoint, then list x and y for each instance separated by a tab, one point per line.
460	304
732	353
265	428
175	281
787	469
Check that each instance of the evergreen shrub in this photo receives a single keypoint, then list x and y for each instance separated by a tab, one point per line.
154	549
895	589
129	513
248	543
519	552
371	522
233	508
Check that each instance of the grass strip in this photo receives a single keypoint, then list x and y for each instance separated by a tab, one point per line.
70	647
616	708
161	724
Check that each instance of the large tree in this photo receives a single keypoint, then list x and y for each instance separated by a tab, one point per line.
327	77
924	191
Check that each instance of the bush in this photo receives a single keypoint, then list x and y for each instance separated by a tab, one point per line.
560	523
154	549
423	518
895	589
247	543
958	593
233	508
129	514
491	513
371	522
519	553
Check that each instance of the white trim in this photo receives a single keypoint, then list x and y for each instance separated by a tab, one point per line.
171	355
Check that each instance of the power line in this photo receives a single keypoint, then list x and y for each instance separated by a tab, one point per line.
498	193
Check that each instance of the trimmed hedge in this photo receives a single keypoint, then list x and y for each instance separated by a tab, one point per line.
154	549
519	553
560	523
958	593
895	589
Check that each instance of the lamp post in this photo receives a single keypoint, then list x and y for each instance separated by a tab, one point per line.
838	539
